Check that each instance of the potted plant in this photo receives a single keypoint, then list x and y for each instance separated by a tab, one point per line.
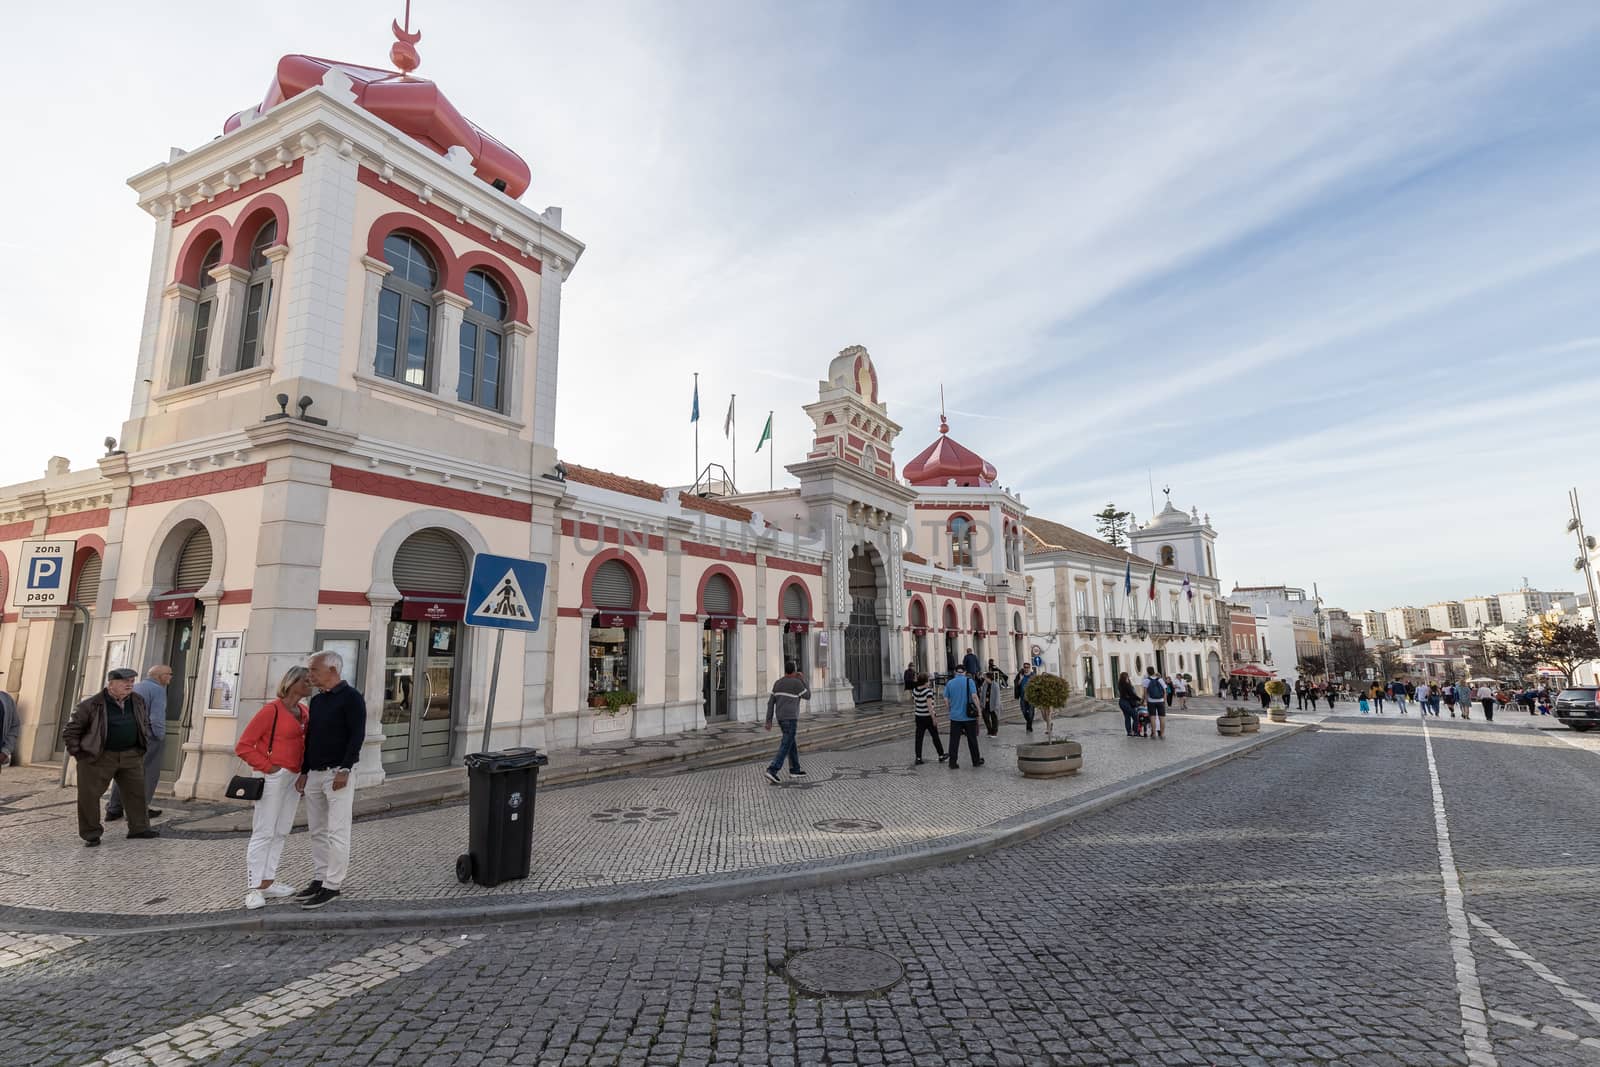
1051	757
1251	722
612	704
1231	722
618	699
597	700
1275	689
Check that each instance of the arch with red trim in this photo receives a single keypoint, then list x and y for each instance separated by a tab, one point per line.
416	226
206	232
805	595
917	613
640	590
496	268
88	545
952	621
705	578
254	216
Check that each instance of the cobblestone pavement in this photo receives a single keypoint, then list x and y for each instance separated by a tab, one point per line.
634	831
1282	908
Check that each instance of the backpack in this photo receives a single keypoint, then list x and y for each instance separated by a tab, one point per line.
1156	691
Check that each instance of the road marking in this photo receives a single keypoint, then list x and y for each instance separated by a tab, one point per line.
205	1037
17	949
1557	1032
1562	986
1474	1021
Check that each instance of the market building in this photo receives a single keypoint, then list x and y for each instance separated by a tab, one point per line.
345	388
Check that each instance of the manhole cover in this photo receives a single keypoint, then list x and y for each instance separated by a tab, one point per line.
848	826
634	815
844	972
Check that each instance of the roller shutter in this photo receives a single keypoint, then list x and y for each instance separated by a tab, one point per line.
194	562
87	590
613	586
430	562
719	596
794	603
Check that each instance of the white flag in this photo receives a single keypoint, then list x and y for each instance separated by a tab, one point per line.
727	423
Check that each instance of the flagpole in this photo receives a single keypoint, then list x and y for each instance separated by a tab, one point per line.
733	430
696	483
770	447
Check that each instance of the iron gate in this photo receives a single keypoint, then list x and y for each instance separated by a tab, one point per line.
863	653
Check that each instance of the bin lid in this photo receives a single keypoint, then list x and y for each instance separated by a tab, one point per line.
511	759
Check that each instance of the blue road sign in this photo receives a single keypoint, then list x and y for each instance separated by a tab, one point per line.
505	593
44	566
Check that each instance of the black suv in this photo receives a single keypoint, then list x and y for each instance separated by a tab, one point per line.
1576	708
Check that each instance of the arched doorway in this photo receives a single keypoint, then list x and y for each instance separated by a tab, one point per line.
613	658
1213	670
423	652
796	608
863	636
919	637
183	618
720	604
1016	641
977	638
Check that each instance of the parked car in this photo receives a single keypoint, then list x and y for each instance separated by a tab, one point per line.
1577	709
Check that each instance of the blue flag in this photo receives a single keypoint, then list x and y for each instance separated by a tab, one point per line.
1127	580
694	413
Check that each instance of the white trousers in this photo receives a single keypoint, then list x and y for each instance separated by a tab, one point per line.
274	818
328	812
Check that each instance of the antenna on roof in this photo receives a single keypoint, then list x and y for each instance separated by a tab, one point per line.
403	52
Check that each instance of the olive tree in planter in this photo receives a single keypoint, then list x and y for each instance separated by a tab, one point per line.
1275	689
1051	757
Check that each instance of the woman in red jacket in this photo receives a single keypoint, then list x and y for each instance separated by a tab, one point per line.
274	744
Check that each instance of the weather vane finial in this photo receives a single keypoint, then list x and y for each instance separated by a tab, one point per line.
944	425
1167	489
403	53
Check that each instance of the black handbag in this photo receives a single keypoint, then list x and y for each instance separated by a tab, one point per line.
248	786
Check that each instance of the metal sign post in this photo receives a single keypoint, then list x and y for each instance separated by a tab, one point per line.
503	593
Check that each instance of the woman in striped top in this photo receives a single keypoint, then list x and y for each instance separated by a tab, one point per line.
922	703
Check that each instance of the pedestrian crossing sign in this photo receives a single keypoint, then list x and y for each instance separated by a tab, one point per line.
505	592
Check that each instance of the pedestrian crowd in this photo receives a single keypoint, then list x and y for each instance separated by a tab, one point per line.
304	743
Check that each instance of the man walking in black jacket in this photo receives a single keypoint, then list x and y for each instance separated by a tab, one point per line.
335	729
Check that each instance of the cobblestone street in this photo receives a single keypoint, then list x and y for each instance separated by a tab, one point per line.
1284	907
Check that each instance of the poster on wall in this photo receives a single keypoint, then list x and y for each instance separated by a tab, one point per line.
223	692
119	652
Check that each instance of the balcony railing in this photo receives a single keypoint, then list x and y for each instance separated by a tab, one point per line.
1116	626
1139	626
1088	624
1185	629
1161	626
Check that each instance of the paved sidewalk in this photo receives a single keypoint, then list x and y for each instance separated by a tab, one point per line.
594	842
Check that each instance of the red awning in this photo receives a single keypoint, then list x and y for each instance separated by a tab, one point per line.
1250	670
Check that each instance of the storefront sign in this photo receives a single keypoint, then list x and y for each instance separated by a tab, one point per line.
721	622
795	626
624	620
177	608
433	610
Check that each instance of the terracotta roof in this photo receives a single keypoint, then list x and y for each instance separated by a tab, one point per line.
614	482
912	557
1046	536
618	483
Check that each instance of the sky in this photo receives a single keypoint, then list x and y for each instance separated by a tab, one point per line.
1330	271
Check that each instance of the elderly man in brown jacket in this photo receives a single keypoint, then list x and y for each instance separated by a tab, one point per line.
108	735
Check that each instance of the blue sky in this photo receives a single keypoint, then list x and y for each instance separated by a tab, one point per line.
1329	270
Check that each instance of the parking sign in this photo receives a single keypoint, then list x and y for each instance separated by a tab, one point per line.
44	577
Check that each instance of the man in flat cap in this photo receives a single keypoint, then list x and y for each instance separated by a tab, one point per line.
108	735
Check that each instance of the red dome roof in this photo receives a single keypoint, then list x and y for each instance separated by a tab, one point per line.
947	458
410	104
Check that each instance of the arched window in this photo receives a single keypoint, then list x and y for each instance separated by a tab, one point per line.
205	308
405	311
960	541
613	633
258	295
482	340
1168	558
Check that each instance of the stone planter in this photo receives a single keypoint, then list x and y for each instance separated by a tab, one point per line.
604	724
1280	714
1250	724
1049	759
1229	725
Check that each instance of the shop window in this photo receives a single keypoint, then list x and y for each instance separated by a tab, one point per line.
258	295
405	312
613	631
482	342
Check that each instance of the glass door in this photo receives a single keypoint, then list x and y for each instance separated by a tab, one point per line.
183	656
419	674
714	674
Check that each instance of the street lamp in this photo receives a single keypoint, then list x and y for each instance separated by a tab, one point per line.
1585	545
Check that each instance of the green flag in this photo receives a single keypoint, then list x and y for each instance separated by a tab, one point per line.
766	433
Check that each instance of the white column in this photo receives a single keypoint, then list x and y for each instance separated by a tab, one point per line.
448	308
180	301
547	356
269	325
323	233
369	768
148	377
227	320
376	270
516	380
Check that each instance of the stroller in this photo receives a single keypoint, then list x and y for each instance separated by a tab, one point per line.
1141	726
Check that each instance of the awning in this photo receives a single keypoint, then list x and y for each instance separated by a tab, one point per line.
1250	670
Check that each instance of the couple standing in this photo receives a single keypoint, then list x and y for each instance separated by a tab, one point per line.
304	750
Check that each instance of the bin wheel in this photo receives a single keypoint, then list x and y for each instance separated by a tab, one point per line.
464	867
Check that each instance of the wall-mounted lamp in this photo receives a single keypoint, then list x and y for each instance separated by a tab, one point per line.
303	403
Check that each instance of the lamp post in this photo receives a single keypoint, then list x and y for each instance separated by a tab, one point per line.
1585	545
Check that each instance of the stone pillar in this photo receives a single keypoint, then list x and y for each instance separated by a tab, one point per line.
546	354
515	366
227	320
369	768
181	302
448	308
269	323
324	233
376	270
148	376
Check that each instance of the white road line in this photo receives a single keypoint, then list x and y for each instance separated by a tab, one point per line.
17	949
205	1037
1557	1032
1562	986
1474	1020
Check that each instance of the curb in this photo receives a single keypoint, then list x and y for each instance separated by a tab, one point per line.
689	891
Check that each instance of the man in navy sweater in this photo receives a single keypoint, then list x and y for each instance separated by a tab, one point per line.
335	729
